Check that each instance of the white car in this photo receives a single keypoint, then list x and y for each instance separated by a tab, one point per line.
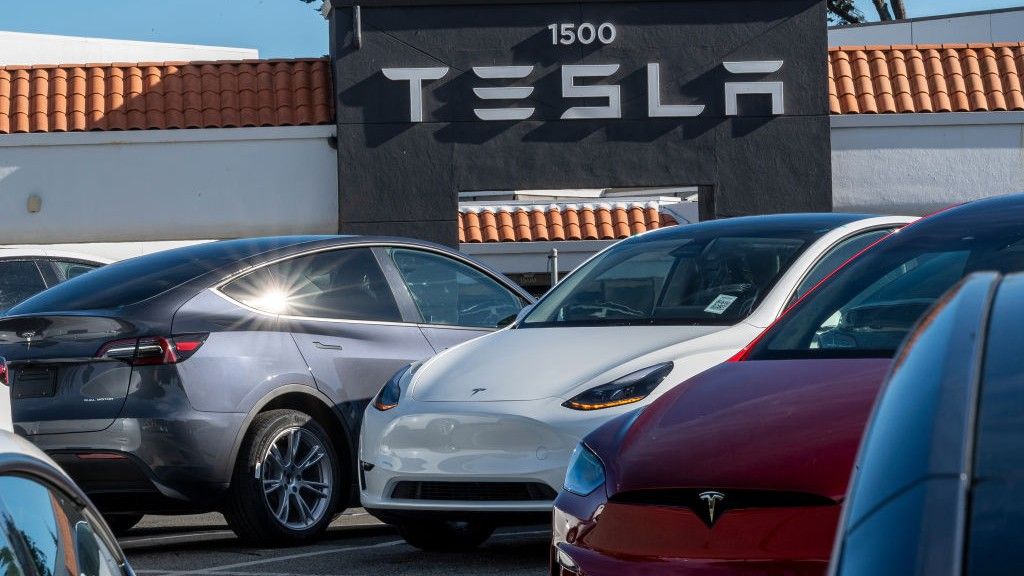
6	421
49	526
481	434
25	272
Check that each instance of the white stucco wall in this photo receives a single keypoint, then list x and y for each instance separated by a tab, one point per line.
167	184
918	163
23	49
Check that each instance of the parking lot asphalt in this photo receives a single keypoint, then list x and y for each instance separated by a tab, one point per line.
355	544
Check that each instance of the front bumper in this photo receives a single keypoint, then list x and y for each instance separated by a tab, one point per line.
465	444
592	537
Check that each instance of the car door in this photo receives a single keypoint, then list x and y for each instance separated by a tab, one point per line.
455	301
20	279
343	316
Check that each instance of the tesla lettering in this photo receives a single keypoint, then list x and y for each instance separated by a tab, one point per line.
611	93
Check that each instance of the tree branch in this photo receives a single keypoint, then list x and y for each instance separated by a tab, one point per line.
882	7
899	10
845	11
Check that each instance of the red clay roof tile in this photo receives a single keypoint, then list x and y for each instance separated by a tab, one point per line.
161	95
926	78
557	222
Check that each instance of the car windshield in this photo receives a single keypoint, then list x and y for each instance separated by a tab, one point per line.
867	308
713	280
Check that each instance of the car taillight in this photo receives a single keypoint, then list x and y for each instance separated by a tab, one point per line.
152	350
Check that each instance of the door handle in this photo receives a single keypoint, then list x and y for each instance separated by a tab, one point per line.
323	346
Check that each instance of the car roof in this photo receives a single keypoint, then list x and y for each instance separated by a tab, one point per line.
767	224
178	273
43	252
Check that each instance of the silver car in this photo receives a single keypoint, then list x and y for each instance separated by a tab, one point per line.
232	375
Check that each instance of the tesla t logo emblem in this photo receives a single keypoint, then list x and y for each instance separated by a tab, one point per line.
477	391
711	499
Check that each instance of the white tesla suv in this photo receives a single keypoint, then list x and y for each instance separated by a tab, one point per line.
481	434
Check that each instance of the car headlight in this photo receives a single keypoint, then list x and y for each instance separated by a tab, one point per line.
585	473
389	395
626	390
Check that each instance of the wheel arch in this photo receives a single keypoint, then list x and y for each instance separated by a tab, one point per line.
313	402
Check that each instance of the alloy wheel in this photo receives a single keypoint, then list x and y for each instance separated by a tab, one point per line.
296	478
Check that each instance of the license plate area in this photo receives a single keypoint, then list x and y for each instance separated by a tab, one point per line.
34	383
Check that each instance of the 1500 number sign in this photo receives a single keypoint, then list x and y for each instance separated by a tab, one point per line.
586	33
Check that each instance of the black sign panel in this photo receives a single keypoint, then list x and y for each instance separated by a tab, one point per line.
434	100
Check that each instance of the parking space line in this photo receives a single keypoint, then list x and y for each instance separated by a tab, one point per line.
142	539
225	569
217	569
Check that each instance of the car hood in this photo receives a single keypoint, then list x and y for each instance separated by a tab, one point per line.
773	425
535	363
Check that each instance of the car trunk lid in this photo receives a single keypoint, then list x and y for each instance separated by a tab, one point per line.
59	383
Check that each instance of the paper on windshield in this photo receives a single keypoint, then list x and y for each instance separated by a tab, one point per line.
720	304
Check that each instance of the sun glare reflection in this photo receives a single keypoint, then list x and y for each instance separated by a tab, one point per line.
273	301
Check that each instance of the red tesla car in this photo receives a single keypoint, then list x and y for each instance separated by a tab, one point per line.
743	469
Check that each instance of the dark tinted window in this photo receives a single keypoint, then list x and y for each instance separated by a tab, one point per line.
67	270
836	257
450	293
717	279
868	307
19	280
997	495
131	281
340	284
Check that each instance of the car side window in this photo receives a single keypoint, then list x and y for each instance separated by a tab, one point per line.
345	284
56	535
450	293
66	270
11	556
19	280
835	258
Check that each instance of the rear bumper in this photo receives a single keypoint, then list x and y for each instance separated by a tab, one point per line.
151	464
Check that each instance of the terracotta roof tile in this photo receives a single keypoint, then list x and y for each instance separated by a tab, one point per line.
535	223
161	95
926	78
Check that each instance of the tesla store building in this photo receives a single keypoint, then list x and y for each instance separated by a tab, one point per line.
725	97
511	129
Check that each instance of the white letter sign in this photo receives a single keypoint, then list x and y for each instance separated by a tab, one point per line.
571	90
415	77
503	93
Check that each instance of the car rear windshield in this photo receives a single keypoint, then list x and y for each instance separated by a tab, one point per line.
132	281
689	280
867	308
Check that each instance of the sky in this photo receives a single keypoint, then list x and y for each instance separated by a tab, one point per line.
278	28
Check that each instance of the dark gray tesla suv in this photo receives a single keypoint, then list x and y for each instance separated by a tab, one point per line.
232	375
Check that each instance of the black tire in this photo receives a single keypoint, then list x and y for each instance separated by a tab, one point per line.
255	514
120	524
445	536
